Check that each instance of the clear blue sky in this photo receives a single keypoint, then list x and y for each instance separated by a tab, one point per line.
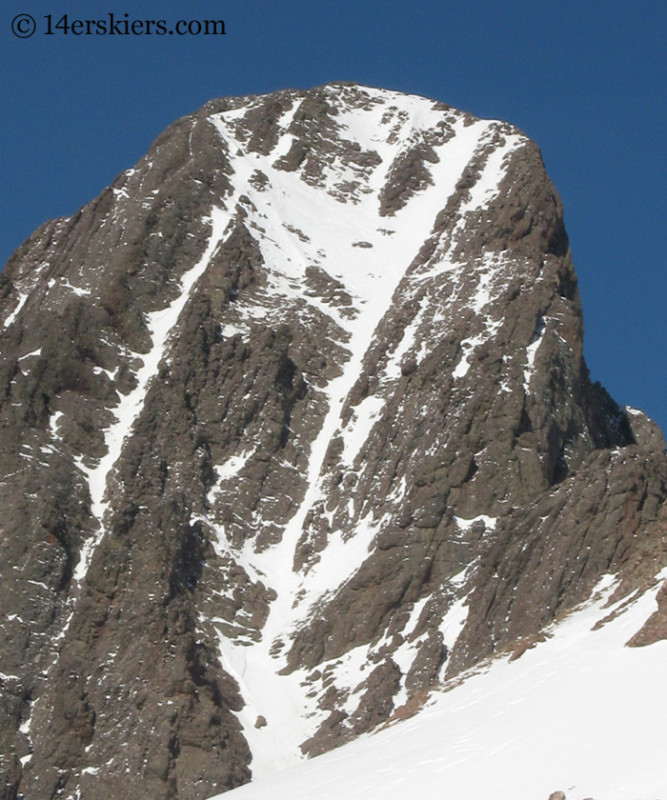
584	78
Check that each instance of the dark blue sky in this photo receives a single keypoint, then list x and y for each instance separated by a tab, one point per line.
585	79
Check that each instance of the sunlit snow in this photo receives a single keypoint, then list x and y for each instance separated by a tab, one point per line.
580	713
369	254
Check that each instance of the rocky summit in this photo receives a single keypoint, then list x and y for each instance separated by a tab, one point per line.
296	428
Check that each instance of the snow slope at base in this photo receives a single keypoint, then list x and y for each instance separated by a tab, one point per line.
580	713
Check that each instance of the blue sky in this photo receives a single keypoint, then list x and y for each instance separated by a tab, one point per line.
585	79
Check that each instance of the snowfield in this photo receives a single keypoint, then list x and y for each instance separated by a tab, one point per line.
580	713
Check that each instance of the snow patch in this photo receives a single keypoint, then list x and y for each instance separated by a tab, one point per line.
227	471
453	622
468	346
466	524
359	427
531	352
54	420
407	343
33	354
17	310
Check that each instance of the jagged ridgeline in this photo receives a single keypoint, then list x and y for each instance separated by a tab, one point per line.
295	427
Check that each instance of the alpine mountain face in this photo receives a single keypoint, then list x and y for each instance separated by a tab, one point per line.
296	426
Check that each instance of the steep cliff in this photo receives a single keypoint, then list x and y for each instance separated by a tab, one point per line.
295	425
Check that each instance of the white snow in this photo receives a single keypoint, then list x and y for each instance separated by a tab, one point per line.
453	622
32	354
466	524
468	346
579	713
111	374
298	225
487	186
54	419
77	290
286	216
531	352
24	286
228	471
17	310
407	343
358	429
160	325
405	655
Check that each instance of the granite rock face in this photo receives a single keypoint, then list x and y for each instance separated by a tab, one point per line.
295	427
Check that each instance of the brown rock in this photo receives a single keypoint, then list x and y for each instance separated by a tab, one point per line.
493	471
655	627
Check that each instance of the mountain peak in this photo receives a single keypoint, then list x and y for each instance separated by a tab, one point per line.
297	429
